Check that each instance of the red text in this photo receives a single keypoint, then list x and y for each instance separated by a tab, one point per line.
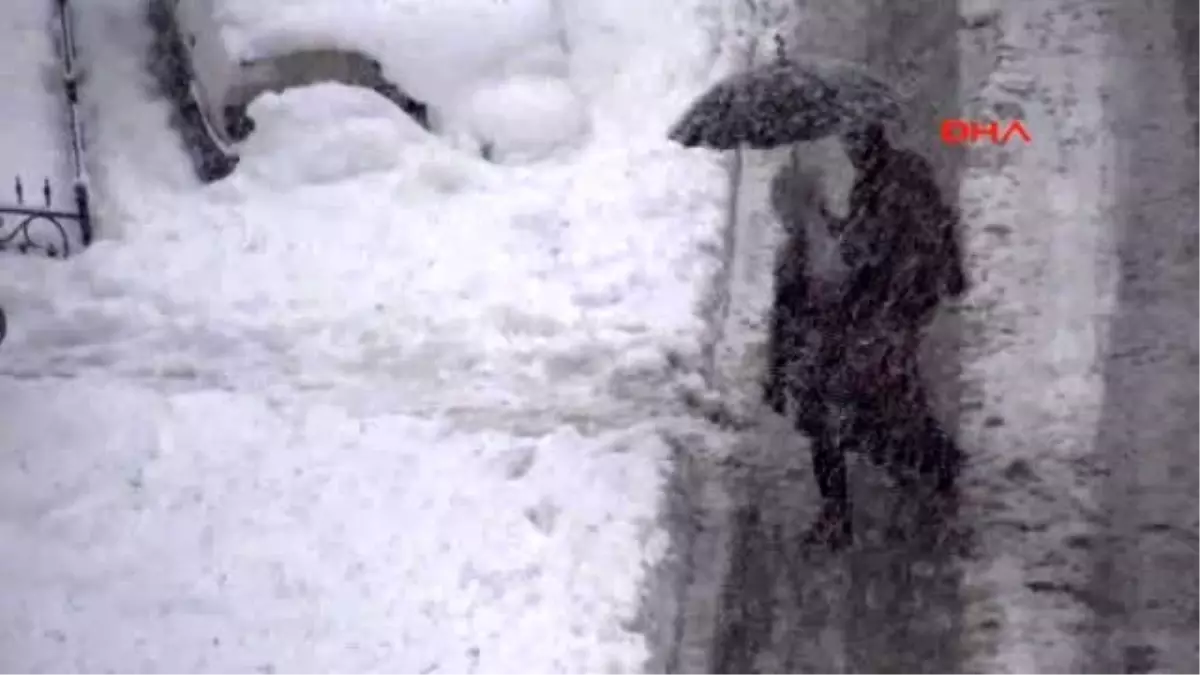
960	131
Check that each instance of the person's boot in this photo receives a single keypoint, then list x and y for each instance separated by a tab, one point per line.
925	464
833	527
940	459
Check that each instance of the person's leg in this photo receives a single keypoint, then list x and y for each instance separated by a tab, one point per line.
898	424
780	351
830	425
927	462
925	448
940	458
833	525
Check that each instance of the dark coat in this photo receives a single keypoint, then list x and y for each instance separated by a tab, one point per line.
900	242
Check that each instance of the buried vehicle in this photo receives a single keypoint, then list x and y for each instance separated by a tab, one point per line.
210	85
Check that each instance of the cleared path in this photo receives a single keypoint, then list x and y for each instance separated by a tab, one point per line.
884	605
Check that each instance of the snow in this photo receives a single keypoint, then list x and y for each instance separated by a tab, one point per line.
434	51
526	118
300	537
371	403
448	34
1043	245
614	55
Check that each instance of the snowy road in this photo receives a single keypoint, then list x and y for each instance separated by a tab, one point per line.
1148	436
1077	392
33	135
1095	438
885	605
881	607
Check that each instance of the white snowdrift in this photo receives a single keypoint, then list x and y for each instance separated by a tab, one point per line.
214	530
542	61
371	403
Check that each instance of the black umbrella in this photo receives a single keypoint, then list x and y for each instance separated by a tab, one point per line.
786	101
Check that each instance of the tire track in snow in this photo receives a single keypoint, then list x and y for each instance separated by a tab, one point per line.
1076	345
1027	497
1146	567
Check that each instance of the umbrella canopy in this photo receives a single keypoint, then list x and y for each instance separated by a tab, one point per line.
786	102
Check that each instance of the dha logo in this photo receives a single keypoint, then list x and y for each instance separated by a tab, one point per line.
961	131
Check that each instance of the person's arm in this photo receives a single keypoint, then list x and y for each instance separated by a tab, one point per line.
939	227
831	219
933	268
954	276
909	259
865	296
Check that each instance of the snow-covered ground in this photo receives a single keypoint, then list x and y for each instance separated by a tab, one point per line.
371	403
439	54
1071	460
1041	243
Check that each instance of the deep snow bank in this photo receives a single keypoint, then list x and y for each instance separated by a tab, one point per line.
348	224
207	530
555	63
372	403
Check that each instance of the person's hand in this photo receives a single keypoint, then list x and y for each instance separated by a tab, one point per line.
832	220
823	209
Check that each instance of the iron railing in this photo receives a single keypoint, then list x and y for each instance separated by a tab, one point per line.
45	229
27	228
70	62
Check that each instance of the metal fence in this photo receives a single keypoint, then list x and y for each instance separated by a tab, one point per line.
33	228
42	228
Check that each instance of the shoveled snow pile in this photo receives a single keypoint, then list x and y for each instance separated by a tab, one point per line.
371	403
519	77
525	118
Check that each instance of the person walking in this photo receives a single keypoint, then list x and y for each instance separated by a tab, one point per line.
847	354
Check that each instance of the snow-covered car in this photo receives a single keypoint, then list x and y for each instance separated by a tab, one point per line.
210	83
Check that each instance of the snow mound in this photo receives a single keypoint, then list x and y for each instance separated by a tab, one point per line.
371	403
229	532
434	51
525	118
333	132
